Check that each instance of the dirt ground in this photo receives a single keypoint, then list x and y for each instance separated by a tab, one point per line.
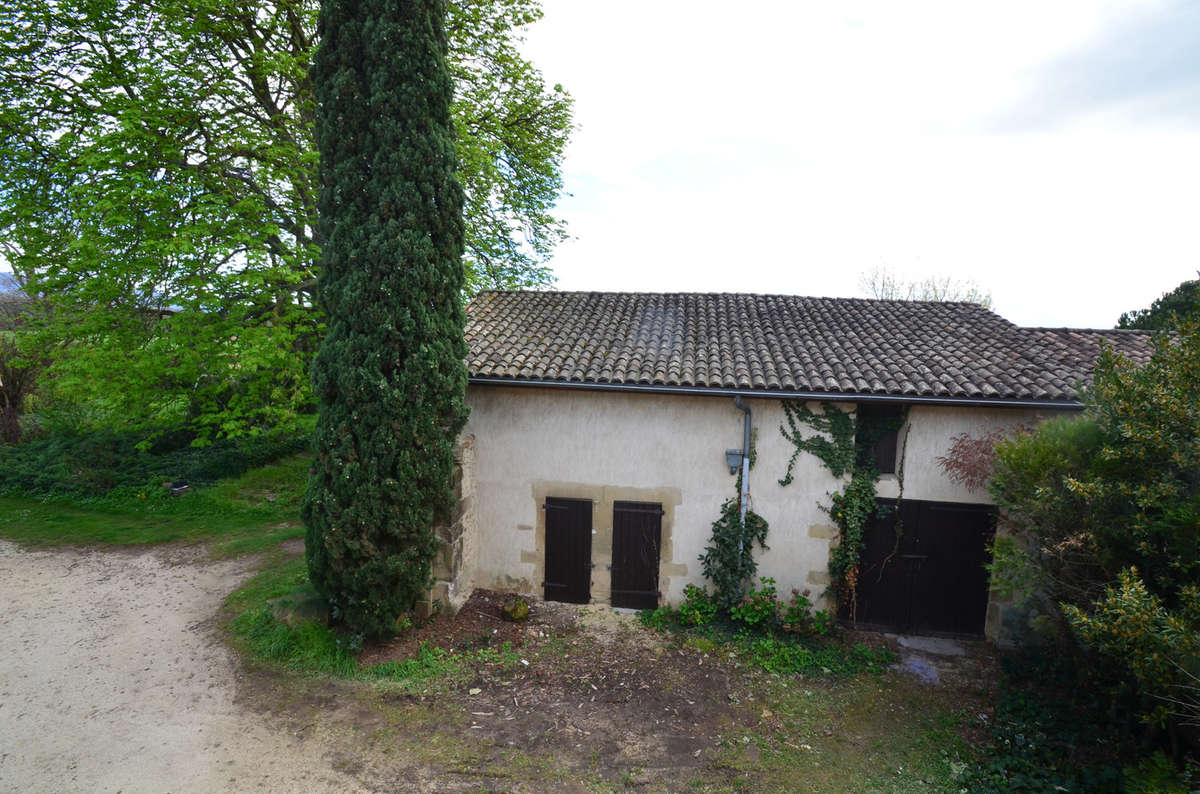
115	677
601	694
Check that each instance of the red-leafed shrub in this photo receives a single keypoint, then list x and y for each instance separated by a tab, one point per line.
969	460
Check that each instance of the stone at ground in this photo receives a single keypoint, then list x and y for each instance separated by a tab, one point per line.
939	646
516	609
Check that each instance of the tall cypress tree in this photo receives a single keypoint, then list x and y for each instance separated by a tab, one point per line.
389	374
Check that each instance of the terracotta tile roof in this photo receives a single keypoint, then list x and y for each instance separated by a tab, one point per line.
1080	347
785	343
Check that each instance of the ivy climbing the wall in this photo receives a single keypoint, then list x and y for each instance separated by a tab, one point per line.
844	443
728	559
836	452
851	509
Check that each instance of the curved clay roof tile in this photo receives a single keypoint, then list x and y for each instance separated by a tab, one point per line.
773	342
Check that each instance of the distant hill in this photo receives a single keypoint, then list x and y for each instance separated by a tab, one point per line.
8	283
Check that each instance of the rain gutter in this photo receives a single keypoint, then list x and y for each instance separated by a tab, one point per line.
856	397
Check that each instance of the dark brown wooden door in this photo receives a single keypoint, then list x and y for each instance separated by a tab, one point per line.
637	533
933	580
884	572
568	550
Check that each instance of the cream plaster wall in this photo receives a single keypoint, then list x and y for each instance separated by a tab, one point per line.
530	443
533	442
928	435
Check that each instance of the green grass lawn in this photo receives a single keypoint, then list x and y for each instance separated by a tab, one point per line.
867	733
245	514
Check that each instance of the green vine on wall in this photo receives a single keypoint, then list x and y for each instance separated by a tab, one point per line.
728	559
844	445
850	510
836	452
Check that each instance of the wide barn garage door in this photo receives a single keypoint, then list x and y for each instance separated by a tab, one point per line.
933	580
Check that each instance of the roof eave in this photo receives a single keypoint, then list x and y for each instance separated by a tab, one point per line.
996	402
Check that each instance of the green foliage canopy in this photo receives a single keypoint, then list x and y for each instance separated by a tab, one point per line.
1032	484
1107	508
158	170
389	374
1145	484
1120	486
1181	303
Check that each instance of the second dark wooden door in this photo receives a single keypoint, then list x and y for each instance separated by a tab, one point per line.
637	534
933	581
568	550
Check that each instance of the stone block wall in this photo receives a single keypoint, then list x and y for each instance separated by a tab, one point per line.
453	563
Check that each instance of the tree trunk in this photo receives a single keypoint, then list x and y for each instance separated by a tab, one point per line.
10	423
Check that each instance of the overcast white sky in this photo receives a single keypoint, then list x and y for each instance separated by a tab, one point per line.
1049	151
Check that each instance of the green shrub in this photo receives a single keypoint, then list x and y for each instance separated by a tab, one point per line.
824	623
750	631
1160	648
659	619
1154	775
800	619
1049	733
1031	751
1032	484
96	464
728	559
1105	509
698	608
758	609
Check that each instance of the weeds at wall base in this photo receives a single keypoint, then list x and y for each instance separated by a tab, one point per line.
774	653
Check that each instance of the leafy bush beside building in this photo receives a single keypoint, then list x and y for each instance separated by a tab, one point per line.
1105	510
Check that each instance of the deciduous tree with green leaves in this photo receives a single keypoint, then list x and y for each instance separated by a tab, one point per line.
389	374
158	175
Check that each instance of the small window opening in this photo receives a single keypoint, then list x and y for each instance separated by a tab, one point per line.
879	434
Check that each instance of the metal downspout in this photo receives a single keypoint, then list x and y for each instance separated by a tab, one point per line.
745	495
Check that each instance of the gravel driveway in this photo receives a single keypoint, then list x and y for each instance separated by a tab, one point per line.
113	679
